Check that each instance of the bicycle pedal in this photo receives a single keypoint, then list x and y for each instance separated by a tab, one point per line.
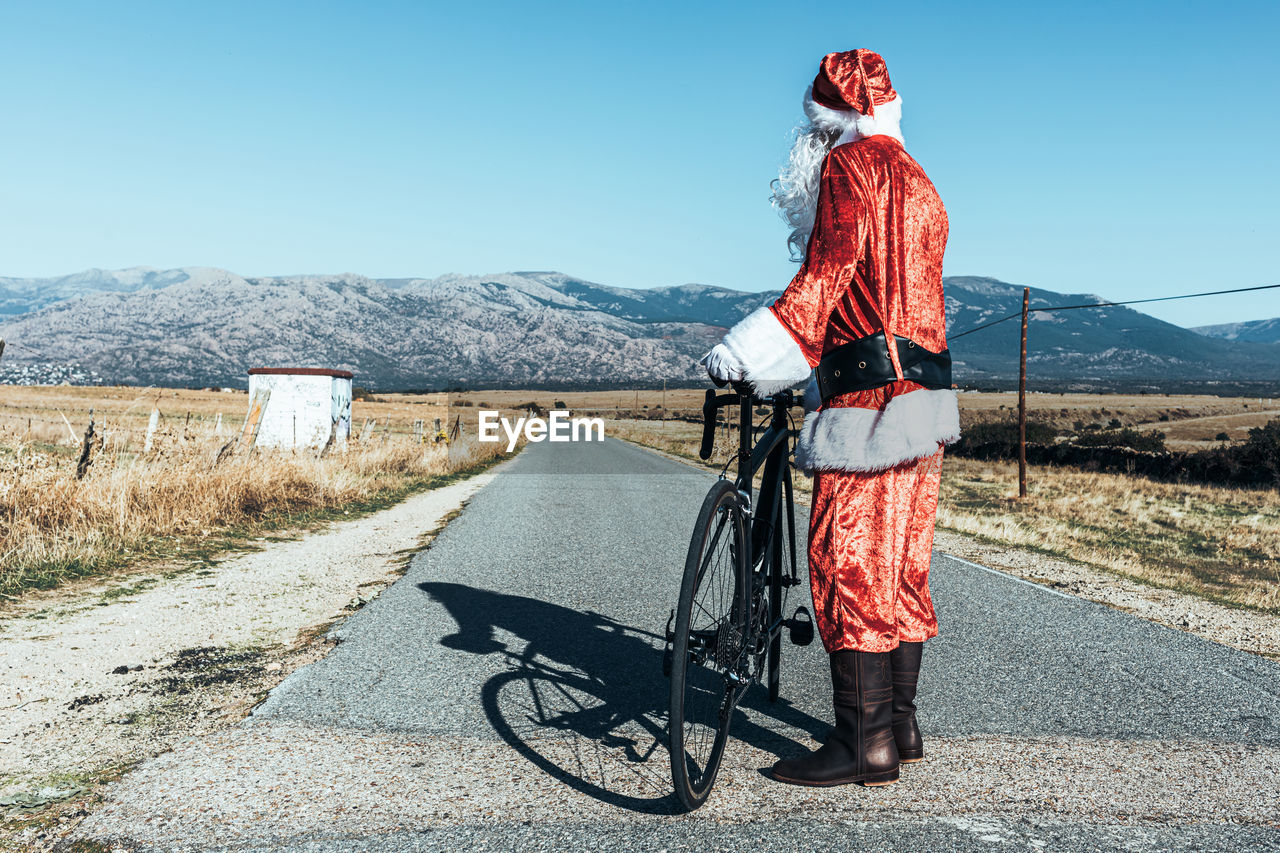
786	581
800	627
667	657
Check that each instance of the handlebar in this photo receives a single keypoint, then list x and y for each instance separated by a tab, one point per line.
711	406
714	402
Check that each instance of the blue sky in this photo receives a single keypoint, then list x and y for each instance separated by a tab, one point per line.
1123	149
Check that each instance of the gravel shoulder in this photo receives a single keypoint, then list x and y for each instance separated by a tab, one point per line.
1247	630
278	784
97	677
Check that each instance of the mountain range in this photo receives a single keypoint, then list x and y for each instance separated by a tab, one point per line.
1260	331
200	326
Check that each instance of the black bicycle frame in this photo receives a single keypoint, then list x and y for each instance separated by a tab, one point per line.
770	451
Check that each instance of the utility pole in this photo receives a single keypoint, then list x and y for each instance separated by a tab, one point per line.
1022	399
664	402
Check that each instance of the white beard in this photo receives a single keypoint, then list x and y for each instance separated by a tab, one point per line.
795	192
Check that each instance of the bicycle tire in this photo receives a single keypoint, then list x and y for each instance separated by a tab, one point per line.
695	687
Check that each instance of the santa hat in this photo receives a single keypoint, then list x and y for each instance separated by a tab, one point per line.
852	95
854	80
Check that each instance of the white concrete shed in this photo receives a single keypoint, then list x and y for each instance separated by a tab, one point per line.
305	404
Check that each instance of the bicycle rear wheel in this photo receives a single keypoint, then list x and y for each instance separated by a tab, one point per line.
708	643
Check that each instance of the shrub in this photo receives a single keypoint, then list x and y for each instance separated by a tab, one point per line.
1222	436
1000	438
1127	437
1262	450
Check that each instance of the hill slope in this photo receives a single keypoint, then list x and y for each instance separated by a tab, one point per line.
1259	331
200	326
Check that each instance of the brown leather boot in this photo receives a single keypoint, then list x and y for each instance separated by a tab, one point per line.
905	660
860	748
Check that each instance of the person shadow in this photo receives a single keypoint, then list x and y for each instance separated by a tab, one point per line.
583	696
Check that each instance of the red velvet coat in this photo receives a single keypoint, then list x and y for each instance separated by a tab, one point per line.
874	263
874	260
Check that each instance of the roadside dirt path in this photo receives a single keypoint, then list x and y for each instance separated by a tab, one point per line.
97	677
1247	630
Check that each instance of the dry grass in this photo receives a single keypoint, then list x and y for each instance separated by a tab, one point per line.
1218	543
59	413
174	501
1189	421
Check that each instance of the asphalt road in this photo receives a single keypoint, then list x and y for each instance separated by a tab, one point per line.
507	693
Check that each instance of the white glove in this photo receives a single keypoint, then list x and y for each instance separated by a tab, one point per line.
721	365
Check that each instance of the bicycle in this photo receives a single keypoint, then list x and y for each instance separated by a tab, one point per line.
725	633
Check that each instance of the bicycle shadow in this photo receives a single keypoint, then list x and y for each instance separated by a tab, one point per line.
583	696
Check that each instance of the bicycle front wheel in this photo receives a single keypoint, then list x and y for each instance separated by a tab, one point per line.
708	644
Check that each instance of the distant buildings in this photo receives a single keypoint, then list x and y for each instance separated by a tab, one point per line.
47	373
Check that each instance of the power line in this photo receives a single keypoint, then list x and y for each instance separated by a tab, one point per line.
1105	304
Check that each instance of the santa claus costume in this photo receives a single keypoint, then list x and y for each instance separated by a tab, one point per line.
866	309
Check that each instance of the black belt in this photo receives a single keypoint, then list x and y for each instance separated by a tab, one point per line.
864	363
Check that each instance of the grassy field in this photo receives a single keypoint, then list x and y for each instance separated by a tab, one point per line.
1216	542
1190	422
173	502
59	414
1222	544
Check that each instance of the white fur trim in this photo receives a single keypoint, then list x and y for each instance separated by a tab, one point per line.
852	124
910	426
771	359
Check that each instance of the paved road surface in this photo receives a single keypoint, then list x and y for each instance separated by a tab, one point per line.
507	694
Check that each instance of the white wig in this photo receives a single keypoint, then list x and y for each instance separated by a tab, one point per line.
795	190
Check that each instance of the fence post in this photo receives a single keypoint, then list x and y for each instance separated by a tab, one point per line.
1022	399
86	453
152	424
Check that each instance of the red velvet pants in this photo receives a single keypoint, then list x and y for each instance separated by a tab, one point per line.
870	542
